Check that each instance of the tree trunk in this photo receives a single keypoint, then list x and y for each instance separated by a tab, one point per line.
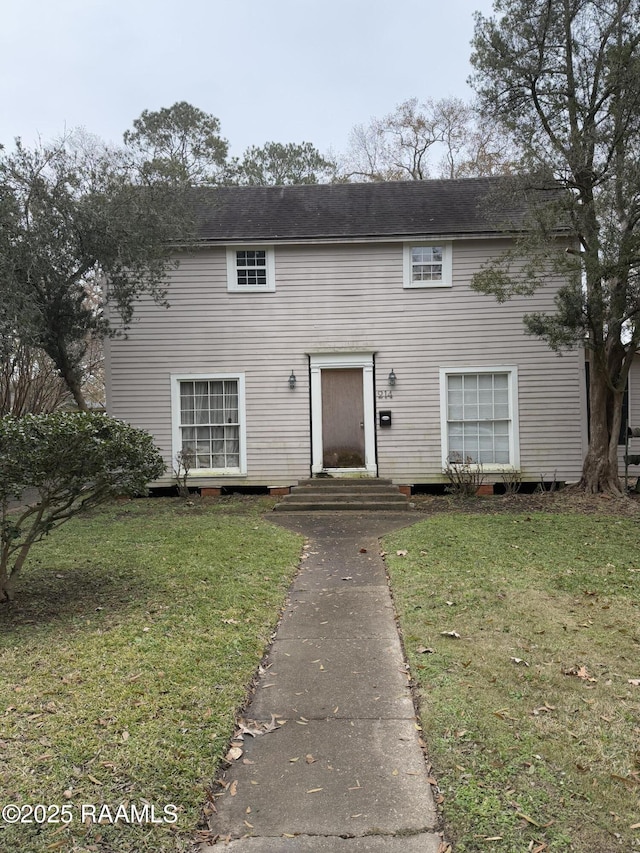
600	467
6	589
74	385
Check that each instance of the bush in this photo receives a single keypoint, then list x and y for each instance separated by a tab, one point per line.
73	461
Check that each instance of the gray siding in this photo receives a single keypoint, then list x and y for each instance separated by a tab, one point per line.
347	297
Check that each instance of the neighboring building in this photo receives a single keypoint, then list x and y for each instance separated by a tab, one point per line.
333	328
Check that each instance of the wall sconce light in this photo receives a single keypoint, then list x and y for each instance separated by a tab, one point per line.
392	378
292	380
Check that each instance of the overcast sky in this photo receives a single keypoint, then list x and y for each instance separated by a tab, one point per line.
281	70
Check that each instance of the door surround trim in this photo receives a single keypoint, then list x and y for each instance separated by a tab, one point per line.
333	361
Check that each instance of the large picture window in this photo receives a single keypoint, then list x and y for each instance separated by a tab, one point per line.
208	422
479	417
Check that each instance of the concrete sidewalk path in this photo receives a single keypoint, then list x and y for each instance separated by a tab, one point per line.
340	767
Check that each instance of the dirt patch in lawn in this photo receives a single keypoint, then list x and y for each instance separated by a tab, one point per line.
569	500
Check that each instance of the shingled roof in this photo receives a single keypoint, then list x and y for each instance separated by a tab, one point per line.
339	211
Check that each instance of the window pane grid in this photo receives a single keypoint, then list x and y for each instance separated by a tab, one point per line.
426	263
251	266
478	418
209	422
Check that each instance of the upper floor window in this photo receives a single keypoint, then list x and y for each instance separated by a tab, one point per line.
427	264
250	269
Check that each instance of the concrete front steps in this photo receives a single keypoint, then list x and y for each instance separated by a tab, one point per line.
344	493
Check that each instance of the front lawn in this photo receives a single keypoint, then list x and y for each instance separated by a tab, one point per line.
131	644
523	636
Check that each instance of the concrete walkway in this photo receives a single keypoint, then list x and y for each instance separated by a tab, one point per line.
340	767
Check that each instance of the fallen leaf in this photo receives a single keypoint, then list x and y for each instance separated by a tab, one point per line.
402	553
425	650
579	672
503	715
543	709
313	790
234	754
519	661
527	818
233	788
453	634
635	682
310	759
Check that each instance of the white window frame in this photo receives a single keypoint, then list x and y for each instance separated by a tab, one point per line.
176	435
232	270
514	427
447	264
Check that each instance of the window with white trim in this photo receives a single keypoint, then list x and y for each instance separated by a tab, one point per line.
479	417
250	269
427	264
208	420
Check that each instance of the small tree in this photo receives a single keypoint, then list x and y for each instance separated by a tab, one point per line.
73	461
29	381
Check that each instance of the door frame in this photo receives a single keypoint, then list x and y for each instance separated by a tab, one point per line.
336	361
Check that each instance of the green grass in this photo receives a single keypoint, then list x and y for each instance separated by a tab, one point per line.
544	757
131	645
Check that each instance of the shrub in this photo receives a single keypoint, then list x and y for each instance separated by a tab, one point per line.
72	461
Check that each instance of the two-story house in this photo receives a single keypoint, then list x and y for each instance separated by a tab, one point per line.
333	328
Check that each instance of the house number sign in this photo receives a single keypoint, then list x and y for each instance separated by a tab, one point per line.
385	395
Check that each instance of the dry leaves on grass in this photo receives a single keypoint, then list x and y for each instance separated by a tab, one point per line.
580	672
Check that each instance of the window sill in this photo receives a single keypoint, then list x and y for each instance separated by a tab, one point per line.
426	286
249	288
216	472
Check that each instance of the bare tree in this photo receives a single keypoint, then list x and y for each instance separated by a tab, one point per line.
443	138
